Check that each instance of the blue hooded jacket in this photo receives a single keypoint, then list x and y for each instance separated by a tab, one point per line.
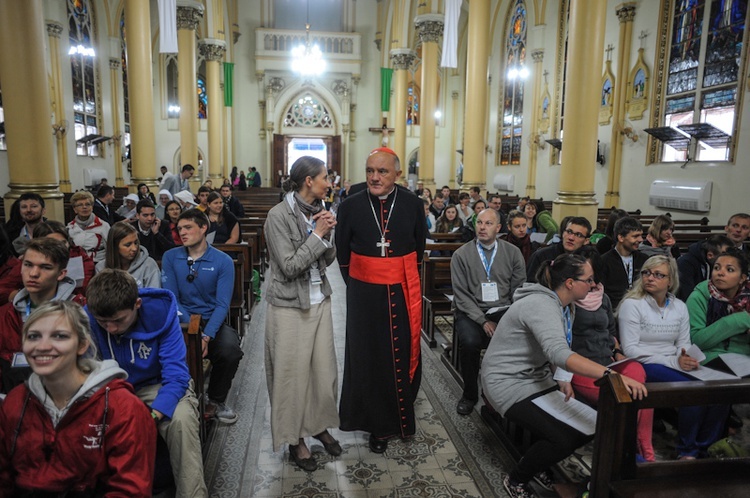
152	351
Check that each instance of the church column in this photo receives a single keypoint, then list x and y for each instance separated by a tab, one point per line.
189	14
26	104
213	50
54	29
430	27
454	139
401	60
537	56
115	80
475	122
626	14
582	90
140	92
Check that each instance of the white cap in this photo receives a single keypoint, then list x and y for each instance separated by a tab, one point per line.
165	192
131	197
185	197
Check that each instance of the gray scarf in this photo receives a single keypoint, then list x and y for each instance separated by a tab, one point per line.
303	211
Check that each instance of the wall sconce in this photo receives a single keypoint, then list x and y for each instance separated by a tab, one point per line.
600	152
537	141
488	149
116	138
59	129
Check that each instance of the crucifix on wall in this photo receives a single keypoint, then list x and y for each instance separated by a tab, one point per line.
385	132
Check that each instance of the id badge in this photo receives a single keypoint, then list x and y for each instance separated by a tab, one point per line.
489	292
315	275
19	360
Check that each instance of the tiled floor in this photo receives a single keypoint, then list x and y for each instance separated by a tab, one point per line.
450	456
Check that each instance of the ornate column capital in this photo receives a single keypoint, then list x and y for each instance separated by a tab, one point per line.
454	95
114	63
54	29
262	104
189	14
402	58
429	27
259	75
275	85
626	12
537	55
212	49
340	88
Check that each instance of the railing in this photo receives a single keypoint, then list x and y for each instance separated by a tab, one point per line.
279	42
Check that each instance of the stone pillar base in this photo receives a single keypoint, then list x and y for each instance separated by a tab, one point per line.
575	204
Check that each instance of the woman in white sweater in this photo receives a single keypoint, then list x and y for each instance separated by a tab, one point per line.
655	330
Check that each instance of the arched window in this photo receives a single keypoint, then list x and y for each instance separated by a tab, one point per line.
561	71
702	40
516	73
171	99
307	112
85	91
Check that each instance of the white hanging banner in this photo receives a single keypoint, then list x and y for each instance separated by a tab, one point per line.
450	34
167	26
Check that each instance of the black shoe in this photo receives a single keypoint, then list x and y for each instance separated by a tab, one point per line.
465	406
307	464
734	421
378	445
333	448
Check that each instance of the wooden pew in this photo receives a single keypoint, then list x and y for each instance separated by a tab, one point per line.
436	283
246	250
615	472
191	333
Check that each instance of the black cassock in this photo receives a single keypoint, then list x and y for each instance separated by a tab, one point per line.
378	391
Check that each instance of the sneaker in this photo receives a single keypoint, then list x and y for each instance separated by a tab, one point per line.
223	413
544	479
519	490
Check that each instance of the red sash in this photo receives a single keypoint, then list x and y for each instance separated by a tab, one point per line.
391	271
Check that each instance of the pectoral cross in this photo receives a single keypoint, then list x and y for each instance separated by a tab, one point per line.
382	245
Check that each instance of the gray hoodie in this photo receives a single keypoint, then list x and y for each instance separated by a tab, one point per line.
104	372
65	292
143	269
529	338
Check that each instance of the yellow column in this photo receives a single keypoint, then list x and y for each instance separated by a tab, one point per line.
213	50
626	14
430	28
454	138
26	103
537	56
140	92
115	81
189	14
54	29
401	60
582	90
475	124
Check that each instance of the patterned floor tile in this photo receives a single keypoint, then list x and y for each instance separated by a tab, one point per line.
364	475
267	481
454	468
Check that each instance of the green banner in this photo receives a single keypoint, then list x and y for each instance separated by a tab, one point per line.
386	74
228	83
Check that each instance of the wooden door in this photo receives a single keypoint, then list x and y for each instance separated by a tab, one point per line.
334	153
279	160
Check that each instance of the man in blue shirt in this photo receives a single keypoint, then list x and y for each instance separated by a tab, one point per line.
202	279
140	330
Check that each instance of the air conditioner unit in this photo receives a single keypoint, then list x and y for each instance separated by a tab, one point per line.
504	182
93	176
684	195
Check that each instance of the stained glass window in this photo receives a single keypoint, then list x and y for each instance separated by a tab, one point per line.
171	97
85	91
705	54
515	78
412	104
202	97
308	112
124	66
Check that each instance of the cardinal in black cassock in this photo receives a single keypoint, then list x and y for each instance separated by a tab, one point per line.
380	241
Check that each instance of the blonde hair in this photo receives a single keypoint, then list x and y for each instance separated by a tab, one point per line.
639	292
81	195
79	325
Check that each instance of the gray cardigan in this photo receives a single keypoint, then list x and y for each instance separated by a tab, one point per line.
508	271
290	259
528	338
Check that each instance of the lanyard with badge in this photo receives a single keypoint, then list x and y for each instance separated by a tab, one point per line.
489	288
561	374
314	270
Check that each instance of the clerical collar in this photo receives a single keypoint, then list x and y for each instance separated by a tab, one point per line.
384	197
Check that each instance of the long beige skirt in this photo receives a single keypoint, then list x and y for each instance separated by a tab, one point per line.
301	372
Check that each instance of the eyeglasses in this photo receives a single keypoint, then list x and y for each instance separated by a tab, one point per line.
577	234
589	281
193	273
657	275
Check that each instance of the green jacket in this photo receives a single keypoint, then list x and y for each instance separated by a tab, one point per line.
726	335
546	224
